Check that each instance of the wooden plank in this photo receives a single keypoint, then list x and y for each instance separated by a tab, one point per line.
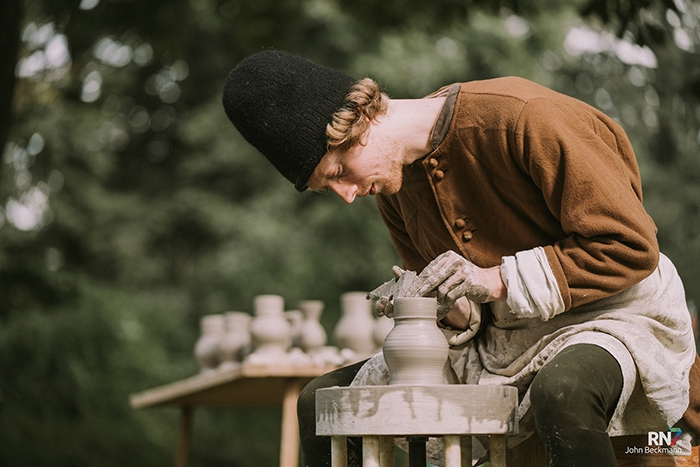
497	451
289	444
284	369
416	410
386	451
370	451
339	451
243	385
453	450
182	456
466	451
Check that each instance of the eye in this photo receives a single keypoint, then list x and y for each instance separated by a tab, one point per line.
337	175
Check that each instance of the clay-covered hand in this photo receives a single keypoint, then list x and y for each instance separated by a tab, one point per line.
384	305
459	316
451	276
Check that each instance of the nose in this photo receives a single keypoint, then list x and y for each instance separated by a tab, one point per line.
347	191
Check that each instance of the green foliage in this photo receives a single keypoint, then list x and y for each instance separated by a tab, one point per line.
67	375
131	207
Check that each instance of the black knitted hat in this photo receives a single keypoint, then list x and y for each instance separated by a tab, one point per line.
281	104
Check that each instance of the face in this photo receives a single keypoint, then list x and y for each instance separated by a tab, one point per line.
365	169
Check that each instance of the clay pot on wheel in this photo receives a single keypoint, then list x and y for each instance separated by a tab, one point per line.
415	350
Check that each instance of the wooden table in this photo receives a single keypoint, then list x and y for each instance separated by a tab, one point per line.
244	385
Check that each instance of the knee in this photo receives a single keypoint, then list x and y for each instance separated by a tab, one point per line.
580	378
553	387
306	403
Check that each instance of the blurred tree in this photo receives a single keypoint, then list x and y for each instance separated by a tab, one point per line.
9	47
130	207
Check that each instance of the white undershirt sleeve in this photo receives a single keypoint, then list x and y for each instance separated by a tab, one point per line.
532	288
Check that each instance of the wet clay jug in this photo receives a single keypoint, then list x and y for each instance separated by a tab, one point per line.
415	350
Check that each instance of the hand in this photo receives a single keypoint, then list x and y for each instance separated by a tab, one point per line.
458	317
384	305
452	276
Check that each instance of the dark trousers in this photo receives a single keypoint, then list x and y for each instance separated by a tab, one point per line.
573	397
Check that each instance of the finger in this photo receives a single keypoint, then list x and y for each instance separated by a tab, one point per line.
456	293
389	310
380	305
397	271
477	293
438	263
432	279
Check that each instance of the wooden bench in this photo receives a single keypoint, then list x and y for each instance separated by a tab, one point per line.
379	414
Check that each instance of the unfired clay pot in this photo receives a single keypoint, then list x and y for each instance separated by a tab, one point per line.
312	336
382	327
356	325
207	348
270	330
415	350
236	341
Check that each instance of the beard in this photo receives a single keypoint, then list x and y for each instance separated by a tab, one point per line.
394	179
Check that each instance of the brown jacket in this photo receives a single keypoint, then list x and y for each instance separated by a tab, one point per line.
517	166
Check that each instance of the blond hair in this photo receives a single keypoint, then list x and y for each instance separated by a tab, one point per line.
365	99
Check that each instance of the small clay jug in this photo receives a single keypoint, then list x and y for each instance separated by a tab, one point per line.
415	350
208	346
312	336
270	330
236	341
295	318
356	325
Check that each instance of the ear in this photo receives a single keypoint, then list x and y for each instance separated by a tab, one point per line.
361	114
364	137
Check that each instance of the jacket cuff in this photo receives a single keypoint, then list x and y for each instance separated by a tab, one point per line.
532	288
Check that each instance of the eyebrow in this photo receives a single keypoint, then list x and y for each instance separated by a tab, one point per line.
327	176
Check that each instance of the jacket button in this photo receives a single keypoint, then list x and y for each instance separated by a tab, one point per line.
433	162
466	236
460	224
439	174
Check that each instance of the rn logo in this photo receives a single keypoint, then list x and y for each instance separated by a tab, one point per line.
664	438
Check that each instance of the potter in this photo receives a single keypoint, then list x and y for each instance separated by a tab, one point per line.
512	196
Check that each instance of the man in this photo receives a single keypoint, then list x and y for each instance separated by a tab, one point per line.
522	210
